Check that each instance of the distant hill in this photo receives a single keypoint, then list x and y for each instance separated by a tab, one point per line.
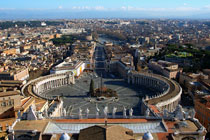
67	14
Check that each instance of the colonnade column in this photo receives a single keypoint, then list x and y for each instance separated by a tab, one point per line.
64	79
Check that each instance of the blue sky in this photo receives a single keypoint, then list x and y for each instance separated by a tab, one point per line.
153	7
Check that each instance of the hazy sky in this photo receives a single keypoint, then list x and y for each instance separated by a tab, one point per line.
106	4
175	7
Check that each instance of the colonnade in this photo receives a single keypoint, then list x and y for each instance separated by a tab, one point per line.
148	81
159	83
49	82
171	103
170	106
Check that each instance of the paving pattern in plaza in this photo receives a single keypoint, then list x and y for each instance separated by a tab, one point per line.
75	96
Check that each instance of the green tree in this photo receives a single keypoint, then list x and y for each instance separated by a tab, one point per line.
91	91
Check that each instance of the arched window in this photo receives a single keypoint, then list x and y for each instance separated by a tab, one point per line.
188	138
24	137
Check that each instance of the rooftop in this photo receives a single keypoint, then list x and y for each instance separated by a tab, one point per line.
132	127
181	126
68	65
204	99
103	132
136	125
38	125
9	93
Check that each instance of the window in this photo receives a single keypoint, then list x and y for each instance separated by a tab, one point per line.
7	126
25	137
3	104
10	102
1	129
188	138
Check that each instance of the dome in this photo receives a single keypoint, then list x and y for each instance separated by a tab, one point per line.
64	136
147	136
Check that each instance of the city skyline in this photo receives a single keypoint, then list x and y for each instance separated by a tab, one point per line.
67	68
53	9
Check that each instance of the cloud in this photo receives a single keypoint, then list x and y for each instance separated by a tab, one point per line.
7	9
207	7
185	9
81	8
100	8
123	8
96	8
177	9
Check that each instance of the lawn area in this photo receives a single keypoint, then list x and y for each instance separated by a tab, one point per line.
180	54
